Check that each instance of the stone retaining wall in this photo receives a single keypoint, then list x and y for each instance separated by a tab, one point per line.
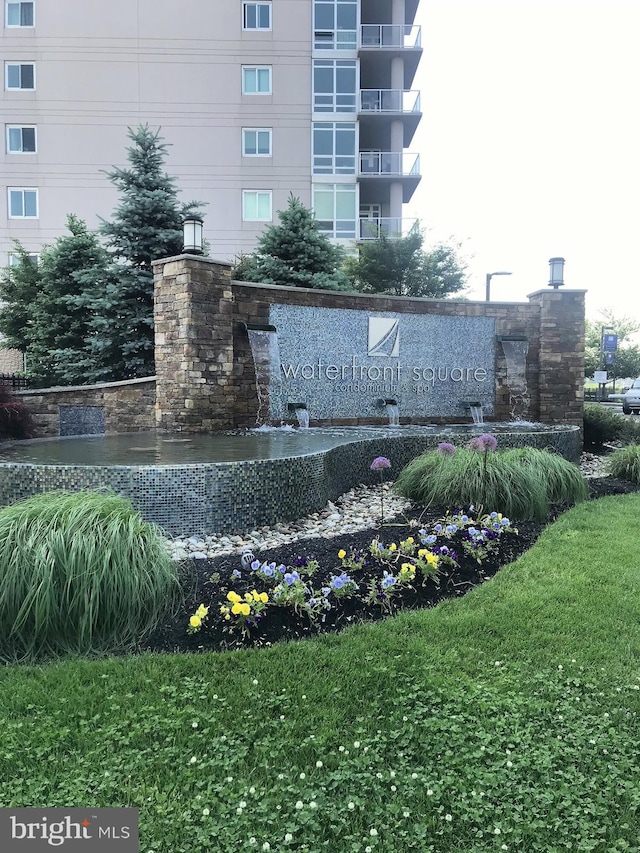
92	409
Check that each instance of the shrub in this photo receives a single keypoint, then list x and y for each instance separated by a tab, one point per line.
625	463
521	483
601	425
15	420
79	573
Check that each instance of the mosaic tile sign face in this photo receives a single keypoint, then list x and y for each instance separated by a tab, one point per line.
342	362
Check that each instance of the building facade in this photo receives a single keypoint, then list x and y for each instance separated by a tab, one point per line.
256	100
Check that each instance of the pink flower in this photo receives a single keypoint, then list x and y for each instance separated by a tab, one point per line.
379	463
445	449
484	442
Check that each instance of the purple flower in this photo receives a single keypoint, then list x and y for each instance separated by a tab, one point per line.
379	463
484	442
445	448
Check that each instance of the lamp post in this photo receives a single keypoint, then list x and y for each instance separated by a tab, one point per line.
556	272
490	275
192	235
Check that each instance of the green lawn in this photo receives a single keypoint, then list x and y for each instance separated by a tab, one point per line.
506	720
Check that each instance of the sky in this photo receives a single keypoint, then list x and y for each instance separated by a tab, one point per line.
530	143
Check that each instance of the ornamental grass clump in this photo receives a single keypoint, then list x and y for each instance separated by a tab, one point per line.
625	463
523	482
80	573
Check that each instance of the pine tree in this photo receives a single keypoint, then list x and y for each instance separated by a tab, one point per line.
294	254
20	288
146	226
400	266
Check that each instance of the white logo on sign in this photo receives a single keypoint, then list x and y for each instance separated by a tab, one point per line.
384	337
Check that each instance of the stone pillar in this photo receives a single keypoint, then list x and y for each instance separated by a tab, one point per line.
561	362
193	344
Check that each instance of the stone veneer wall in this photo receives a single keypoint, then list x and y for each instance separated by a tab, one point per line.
123	406
11	360
205	371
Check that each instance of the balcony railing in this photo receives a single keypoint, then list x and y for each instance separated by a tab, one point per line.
389	101
390	163
389	226
390	36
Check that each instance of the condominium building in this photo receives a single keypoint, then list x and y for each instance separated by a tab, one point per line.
256	101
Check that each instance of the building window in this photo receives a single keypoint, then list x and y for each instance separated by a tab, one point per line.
21	140
335	24
14	258
334	206
256	205
20	75
256	142
23	203
19	14
256	16
334	86
334	148
256	80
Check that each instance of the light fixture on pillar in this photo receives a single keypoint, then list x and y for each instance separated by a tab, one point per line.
556	272
192	235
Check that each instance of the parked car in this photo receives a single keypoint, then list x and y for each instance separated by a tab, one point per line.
631	398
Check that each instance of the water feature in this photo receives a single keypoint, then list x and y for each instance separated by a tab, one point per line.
235	482
263	340
391	410
515	352
301	412
477	413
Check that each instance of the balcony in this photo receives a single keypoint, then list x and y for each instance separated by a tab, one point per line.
386	167
379	105
390	37
383	42
388	226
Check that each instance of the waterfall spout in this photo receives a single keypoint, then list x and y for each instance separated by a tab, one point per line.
301	412
263	341
515	353
390	407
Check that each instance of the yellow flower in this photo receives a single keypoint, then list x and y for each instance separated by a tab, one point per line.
393	546
244	609
202	611
264	597
256	595
236	609
248	596
224	609
233	597
409	540
431	559
422	552
342	554
195	621
407	569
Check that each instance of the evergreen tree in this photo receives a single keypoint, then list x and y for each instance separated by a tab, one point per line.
400	266
47	315
146	226
294	254
20	288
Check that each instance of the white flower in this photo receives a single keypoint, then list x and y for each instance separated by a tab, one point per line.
429	792
356	744
253	840
414	775
266	846
393	788
255	681
193	760
303	696
282	716
288	837
252	790
351	806
392	773
299	804
341	749
318	763
229	778
206	812
243	804
448	817
504	847
302	776
405	814
496	831
194	725
373	832
313	804
280	776
368	849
